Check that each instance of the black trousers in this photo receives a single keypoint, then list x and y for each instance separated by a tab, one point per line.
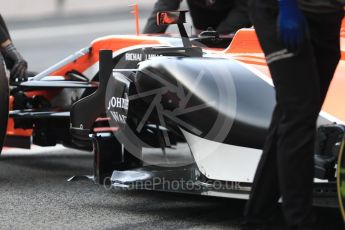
301	81
161	5
4	34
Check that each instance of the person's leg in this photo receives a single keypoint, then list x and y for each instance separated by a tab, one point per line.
161	5
237	18
265	192
297	88
265	189
296	80
325	36
298	93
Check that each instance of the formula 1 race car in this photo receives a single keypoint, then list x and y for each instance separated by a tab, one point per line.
164	113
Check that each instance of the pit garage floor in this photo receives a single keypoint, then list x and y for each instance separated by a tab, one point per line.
35	194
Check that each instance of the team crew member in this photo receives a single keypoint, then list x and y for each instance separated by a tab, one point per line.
161	5
14	61
225	16
301	42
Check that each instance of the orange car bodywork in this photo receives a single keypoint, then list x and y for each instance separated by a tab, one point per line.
246	48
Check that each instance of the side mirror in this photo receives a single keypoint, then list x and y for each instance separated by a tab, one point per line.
171	17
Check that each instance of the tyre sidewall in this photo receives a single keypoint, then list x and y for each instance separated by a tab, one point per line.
341	179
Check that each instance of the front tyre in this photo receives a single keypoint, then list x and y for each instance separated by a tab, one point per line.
4	102
341	179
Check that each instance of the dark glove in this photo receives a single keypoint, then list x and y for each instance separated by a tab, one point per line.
291	24
18	68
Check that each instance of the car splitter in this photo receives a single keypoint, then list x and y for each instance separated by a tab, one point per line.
186	179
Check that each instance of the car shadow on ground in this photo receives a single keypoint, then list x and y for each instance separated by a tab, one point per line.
213	211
